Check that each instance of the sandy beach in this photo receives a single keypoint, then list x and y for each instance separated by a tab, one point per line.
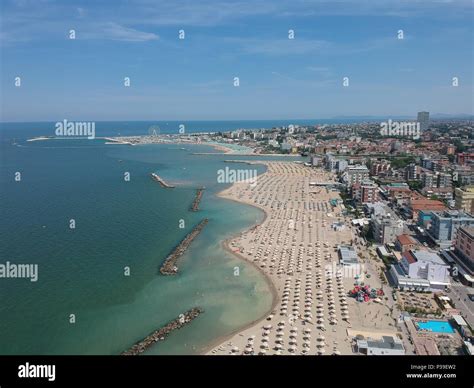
295	247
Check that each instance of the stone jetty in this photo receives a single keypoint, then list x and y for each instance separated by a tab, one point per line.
197	199
162	333
161	181
169	265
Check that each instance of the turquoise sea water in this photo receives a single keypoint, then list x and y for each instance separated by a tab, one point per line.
118	224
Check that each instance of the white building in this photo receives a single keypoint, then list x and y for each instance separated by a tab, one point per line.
348	256
356	174
386	346
421	270
386	228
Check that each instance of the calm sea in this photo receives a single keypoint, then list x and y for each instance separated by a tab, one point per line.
118	224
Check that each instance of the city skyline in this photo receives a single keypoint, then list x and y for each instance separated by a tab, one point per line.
193	78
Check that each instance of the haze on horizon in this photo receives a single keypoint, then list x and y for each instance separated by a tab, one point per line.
193	78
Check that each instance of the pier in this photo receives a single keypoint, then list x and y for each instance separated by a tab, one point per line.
169	265
197	199
161	181
160	334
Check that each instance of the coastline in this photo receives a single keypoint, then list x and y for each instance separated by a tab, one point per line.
225	244
295	247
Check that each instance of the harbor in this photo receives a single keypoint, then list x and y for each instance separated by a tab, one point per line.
169	265
197	199
162	333
161	181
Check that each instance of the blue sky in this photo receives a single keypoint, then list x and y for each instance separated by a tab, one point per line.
188	79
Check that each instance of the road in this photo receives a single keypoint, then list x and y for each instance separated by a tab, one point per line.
458	293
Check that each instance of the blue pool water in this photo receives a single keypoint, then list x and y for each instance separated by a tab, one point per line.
435	326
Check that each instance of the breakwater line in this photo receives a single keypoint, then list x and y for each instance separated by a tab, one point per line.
161	181
163	332
169	265
197	199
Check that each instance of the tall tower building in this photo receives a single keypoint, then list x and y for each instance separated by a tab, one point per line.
424	120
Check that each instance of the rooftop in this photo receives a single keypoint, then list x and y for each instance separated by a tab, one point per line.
423	255
405	239
348	254
357	167
453	214
386	342
427	204
469	230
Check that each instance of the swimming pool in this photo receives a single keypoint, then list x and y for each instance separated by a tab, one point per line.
435	326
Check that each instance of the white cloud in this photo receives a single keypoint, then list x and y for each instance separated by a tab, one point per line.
115	31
